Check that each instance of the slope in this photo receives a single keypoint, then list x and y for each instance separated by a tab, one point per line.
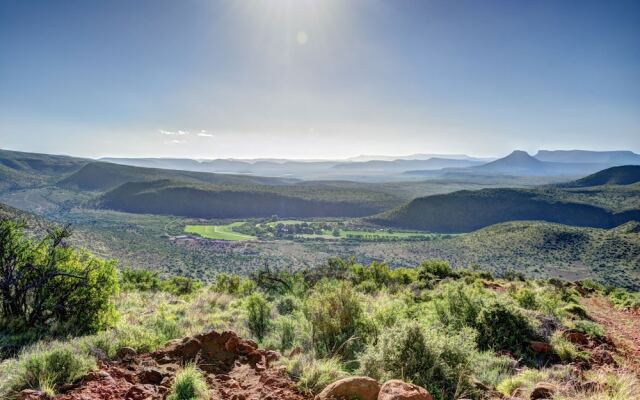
623	175
241	201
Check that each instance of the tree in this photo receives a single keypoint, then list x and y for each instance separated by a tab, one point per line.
47	286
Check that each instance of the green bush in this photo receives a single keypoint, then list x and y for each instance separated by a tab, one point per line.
624	299
181	285
502	327
590	328
45	367
336	318
526	298
258	315
49	287
189	385
437	360
286	305
314	375
139	279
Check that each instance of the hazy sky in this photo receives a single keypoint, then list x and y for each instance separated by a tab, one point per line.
318	78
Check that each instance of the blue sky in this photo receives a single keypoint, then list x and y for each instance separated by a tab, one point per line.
318	78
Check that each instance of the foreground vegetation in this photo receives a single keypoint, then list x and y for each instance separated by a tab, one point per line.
456	332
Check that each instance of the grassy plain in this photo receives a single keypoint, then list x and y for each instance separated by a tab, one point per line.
221	232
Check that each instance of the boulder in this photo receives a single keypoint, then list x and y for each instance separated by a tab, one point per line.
141	392
543	390
399	390
360	387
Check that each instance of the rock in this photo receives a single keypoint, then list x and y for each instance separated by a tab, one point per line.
541	347
576	337
126	353
151	376
399	390
189	349
232	344
602	357
99	376
30	394
140	392
360	387
543	391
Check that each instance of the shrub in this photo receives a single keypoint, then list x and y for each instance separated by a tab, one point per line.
576	310
189	385
227	283
590	328
181	285
314	375
502	327
437	360
139	279
45	367
435	270
624	299
566	350
282	335
52	288
286	305
336	318
526	298
258	315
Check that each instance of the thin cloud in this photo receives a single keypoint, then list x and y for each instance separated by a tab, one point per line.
205	134
173	133
175	141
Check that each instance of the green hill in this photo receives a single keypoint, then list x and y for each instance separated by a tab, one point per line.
624	175
20	170
466	211
241	201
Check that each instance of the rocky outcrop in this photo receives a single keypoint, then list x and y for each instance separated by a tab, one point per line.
234	368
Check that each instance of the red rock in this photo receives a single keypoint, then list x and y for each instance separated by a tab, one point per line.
576	337
151	376
399	390
29	394
541	347
125	353
140	392
359	387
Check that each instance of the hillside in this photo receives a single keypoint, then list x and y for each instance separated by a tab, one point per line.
20	170
240	201
465	211
103	176
623	175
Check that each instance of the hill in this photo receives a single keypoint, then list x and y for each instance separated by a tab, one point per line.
20	170
104	176
241	201
624	175
465	211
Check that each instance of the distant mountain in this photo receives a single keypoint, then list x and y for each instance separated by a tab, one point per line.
625	175
466	211
610	158
419	156
400	166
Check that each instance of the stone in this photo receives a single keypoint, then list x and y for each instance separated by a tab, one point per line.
30	394
151	376
576	337
541	347
140	392
360	387
126	353
543	390
398	390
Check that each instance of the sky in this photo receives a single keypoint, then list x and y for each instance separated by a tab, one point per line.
318	78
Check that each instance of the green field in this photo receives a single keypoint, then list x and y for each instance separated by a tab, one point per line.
221	232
